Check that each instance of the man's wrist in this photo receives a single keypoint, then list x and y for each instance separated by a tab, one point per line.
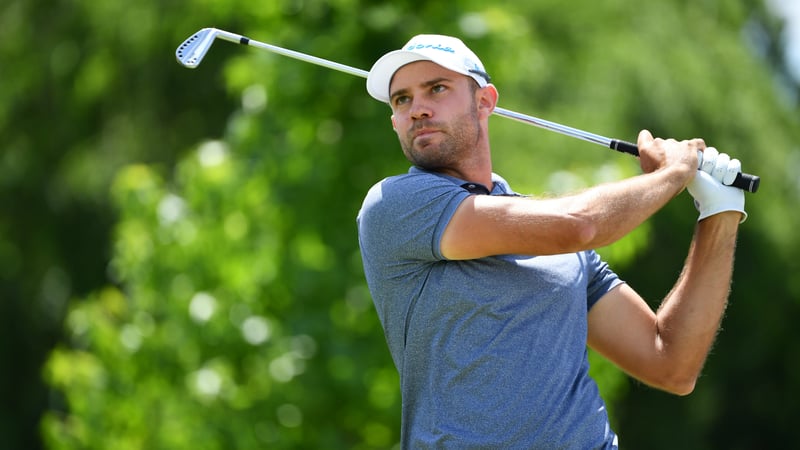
724	219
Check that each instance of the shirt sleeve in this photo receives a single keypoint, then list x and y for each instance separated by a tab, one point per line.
602	279
404	217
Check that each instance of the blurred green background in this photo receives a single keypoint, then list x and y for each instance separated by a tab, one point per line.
178	257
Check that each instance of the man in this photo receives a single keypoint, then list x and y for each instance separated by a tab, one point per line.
489	299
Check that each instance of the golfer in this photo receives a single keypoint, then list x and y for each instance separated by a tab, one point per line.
489	299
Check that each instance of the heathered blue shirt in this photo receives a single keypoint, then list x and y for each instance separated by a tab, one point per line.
491	352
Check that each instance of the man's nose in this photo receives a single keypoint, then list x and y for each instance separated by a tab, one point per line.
420	109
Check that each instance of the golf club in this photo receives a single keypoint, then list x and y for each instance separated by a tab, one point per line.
191	52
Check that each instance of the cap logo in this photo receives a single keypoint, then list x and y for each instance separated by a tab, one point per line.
430	46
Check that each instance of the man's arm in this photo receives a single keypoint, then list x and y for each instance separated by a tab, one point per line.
486	225
667	349
495	225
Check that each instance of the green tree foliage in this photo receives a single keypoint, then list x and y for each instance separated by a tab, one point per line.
185	241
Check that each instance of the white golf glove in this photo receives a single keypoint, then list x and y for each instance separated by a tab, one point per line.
711	188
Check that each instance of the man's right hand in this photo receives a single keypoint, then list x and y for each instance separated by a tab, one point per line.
657	153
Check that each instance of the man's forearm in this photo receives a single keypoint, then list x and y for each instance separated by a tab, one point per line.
485	225
618	208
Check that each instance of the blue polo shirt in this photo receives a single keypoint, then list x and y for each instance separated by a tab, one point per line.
492	351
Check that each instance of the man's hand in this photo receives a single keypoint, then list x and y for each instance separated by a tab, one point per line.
710	187
657	153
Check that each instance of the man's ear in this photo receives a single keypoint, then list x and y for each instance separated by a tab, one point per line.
394	124
487	99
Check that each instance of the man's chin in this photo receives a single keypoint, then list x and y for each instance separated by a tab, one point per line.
422	143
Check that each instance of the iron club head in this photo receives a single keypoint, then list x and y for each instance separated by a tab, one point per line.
193	49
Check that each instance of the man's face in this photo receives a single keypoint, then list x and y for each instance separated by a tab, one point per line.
434	114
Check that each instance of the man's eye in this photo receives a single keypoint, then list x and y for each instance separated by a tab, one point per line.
401	100
438	88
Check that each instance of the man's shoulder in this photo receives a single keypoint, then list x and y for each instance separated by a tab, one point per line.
410	201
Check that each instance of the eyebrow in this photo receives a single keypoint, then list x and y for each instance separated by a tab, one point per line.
428	83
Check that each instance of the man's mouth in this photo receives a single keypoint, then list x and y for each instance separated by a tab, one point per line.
423	133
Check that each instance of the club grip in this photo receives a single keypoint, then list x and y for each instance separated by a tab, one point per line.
744	181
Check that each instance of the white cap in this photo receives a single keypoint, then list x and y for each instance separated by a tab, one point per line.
446	51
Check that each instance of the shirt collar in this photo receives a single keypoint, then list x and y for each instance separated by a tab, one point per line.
500	187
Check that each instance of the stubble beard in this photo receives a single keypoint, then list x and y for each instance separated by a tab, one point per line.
451	144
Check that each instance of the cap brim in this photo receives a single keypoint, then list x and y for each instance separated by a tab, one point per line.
380	76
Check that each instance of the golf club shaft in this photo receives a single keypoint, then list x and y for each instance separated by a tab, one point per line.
206	36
